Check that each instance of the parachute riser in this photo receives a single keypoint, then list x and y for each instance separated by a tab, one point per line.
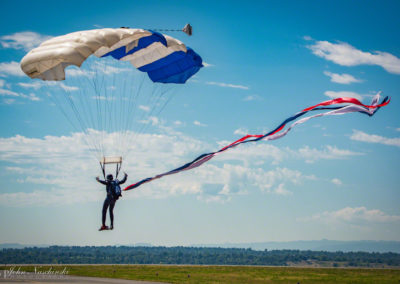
111	160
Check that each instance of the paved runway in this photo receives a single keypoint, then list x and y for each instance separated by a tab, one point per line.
65	279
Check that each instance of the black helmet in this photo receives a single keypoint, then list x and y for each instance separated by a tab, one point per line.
110	177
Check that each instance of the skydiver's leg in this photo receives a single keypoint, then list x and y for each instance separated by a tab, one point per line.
112	204
105	206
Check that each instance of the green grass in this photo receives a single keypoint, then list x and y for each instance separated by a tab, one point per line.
231	274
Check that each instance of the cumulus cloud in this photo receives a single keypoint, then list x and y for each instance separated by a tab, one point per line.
39	84
34	85
144	108
351	215
252	98
73	71
60	170
23	40
342	78
152	120
198	123
372	138
11	68
225	85
240	131
9	93
344	54
342	94
336	181
327	153
281	190
255	154
106	69
205	64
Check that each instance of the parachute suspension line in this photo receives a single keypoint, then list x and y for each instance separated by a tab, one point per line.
133	97
86	110
97	84
55	100
68	98
133	93
126	107
166	101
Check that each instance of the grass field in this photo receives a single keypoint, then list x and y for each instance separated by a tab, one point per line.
229	274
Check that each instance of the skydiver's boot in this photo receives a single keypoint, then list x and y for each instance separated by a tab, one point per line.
104	227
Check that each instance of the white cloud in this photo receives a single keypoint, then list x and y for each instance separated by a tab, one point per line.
225	85
108	69
23	40
327	153
39	84
254	153
9	101
34	85
240	131
252	98
308	38
153	120
66	87
351	215
144	108
61	170
103	98
280	190
198	123
10	93
372	138
342	78
73	71
10	68
336	181
342	94
5	92
344	54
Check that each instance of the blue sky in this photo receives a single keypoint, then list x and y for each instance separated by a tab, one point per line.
334	177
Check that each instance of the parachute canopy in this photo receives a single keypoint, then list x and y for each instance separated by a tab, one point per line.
163	58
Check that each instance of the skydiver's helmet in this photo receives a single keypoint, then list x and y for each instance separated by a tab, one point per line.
110	177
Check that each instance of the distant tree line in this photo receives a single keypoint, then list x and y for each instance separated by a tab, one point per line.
191	255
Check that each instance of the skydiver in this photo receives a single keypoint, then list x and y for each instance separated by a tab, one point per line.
111	198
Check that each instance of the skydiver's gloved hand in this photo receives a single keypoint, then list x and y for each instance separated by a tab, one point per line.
126	175
97	178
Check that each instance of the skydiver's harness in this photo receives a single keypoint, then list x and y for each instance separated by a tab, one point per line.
115	189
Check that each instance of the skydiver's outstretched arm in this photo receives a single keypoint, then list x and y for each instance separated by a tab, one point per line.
124	179
100	181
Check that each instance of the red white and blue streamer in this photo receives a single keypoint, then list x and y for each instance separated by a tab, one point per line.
337	106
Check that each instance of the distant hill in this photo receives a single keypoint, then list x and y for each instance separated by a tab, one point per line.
195	256
19	246
320	245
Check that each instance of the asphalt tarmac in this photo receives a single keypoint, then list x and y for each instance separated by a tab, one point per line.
65	279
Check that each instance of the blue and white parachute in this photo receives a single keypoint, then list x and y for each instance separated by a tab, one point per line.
163	58
103	96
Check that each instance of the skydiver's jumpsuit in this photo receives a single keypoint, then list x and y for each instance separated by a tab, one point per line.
110	199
